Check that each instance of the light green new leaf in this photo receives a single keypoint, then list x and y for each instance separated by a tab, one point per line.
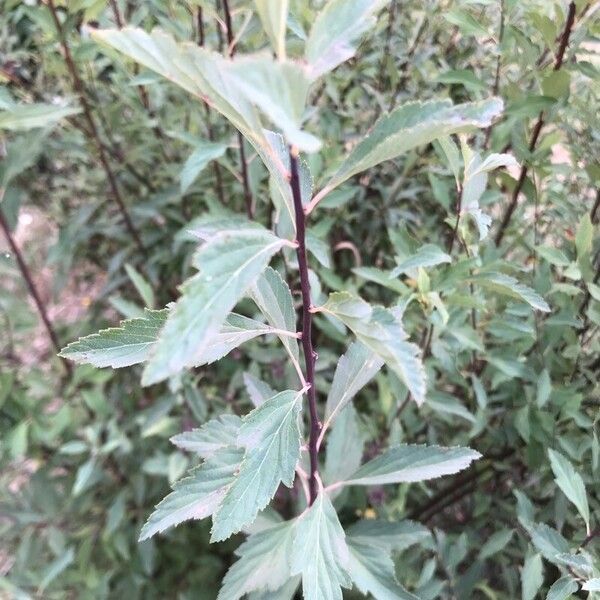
592	585
196	496
22	117
372	570
411	125
320	553
228	264
258	390
197	161
274	299
271	437
571	484
380	330
273	15
427	255
389	535
563	588
413	462
354	370
532	577
263	563
335	33
280	90
509	286
128	344
213	436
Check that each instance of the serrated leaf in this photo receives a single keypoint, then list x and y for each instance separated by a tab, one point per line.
211	437
196	496
389	535
509	286
413	462
271	437
144	289
128	344
197	162
22	117
354	370
285	592
274	299
427	255
380	330
562	589
273	15
372	570
263	563
229	265
320	553
532	577
571	483
258	390
335	33
411	125
548	541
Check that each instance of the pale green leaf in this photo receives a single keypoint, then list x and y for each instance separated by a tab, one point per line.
389	535
196	496
532	577
571	483
263	563
548	541
320	553
271	437
592	585
584	237
496	542
21	117
354	370
229	264
258	390
427	255
273	14
197	161
509	286
212	436
335	34
373	572
412	125
563	588
144	289
409	463
285	592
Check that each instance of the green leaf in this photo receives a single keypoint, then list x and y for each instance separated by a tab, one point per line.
389	535
20	155
496	542
229	264
320	553
263	563
211	437
532	577
556	84
143	288
372	570
258	390
197	161
509	286
273	14
592	585
280	90
411	125
427	255
274	299
584	237
380	330
571	483
563	588
465	22
354	370
271	437
413	462
196	496
335	33
285	592
128	344
548	541
21	117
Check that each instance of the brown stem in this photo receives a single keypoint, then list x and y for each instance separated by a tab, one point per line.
595	212
560	54
91	125
452	239
307	347
33	290
243	164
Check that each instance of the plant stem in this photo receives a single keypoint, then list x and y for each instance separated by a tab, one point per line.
91	125
454	234
243	162
33	291
560	55
496	86
307	347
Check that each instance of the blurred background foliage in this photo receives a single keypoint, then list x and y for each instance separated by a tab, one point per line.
99	203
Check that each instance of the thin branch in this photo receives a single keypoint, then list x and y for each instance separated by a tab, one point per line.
33	291
91	125
564	41
307	347
452	239
496	86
